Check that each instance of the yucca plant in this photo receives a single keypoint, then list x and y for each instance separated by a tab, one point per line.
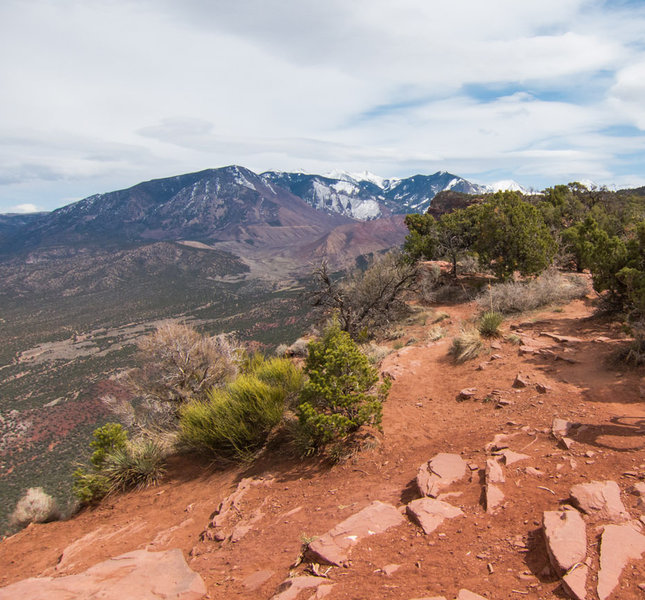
489	323
138	464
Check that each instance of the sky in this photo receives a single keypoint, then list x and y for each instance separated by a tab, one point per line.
98	95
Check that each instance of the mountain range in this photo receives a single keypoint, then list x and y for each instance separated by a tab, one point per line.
236	209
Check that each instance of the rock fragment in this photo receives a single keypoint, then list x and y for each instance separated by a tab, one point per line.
140	574
430	513
256	580
600	499
290	588
468	595
566	538
575	581
493	497
334	546
618	545
520	381
439	472
466	394
542	388
509	457
494	471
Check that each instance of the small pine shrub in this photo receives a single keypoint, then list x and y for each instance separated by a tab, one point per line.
107	439
489	323
138	464
467	345
341	393
35	506
89	485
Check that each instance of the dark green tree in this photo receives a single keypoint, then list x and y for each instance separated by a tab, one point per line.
511	235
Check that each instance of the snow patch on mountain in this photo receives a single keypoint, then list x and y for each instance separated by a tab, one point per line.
507	185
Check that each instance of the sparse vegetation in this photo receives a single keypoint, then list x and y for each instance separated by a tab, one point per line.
179	365
549	288
342	392
436	332
467	345
366	301
35	506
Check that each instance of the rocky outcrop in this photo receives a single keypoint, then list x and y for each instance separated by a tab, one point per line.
290	588
138	575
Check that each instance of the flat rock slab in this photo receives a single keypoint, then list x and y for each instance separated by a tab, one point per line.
334	546
575	582
290	588
256	580
138	575
619	544
440	472
566	538
600	499
430	513
509	457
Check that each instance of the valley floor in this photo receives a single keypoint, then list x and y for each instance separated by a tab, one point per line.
499	554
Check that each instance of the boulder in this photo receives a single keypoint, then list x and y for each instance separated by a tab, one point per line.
334	546
430	513
566	538
439	472
600	500
618	545
138	575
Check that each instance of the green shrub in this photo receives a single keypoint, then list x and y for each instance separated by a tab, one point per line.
489	323
89	486
341	393
467	345
34	507
138	464
107	439
235	421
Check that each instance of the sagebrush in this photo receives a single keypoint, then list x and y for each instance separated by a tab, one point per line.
36	506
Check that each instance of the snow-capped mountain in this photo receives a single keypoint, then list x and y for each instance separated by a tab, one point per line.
507	185
366	196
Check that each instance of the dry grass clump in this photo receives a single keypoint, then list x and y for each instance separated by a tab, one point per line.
467	345
634	353
549	288
436	332
35	506
375	353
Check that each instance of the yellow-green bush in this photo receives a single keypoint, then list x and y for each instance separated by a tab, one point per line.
235	421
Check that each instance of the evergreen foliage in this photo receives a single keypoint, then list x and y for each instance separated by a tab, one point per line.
341	393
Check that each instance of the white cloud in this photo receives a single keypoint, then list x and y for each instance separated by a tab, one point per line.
104	94
23	208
